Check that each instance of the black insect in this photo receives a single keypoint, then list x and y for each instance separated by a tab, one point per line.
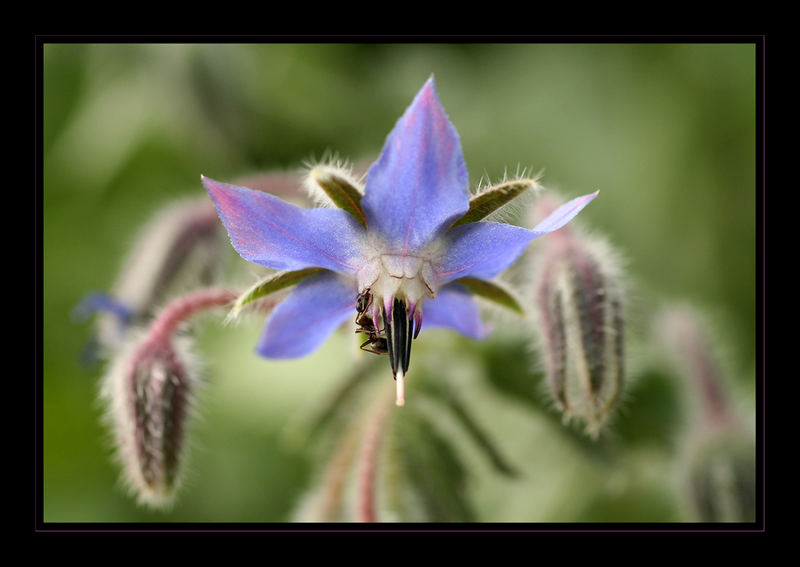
376	339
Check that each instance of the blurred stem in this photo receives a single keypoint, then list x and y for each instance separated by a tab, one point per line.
336	474
368	457
440	391
186	306
692	346
341	463
708	383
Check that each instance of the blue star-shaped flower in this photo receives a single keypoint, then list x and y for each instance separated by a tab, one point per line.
396	255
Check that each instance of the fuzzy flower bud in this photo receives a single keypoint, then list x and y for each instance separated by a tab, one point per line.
149	392
717	470
579	302
685	340
719	476
177	249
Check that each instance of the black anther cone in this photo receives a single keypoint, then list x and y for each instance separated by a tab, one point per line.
399	332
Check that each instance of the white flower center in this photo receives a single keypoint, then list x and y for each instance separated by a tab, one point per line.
408	276
392	285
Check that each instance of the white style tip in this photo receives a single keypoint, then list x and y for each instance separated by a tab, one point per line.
400	398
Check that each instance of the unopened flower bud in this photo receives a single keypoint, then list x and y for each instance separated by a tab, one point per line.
717	468
149	392
579	301
719	477
179	248
683	336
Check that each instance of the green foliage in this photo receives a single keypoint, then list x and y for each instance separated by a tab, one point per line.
435	474
653	410
446	395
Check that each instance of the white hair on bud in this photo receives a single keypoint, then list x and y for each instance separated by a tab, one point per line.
513	211
115	397
331	165
610	263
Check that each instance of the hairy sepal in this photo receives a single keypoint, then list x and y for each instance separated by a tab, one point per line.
269	285
342	191
489	200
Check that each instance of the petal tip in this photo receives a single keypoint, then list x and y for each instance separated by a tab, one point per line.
428	93
420	176
209	183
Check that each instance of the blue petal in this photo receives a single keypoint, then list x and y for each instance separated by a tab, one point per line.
419	185
456	308
563	214
97	301
268	231
484	249
481	250
302	322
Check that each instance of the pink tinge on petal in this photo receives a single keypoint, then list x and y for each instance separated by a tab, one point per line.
417	322
268	231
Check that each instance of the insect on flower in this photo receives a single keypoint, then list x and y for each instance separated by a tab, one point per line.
407	246
376	340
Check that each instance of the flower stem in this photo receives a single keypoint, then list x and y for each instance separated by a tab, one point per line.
186	306
707	380
335	477
368	461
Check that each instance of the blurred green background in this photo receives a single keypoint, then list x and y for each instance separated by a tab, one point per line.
666	132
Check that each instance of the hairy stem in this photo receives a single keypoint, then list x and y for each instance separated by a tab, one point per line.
368	460
186	306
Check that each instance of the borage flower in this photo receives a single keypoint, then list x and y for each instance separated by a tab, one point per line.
408	247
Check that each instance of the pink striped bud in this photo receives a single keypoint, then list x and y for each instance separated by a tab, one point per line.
683	336
718	464
178	249
149	393
579	302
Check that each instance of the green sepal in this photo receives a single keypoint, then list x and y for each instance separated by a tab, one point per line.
271	284
492	292
343	194
488	201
